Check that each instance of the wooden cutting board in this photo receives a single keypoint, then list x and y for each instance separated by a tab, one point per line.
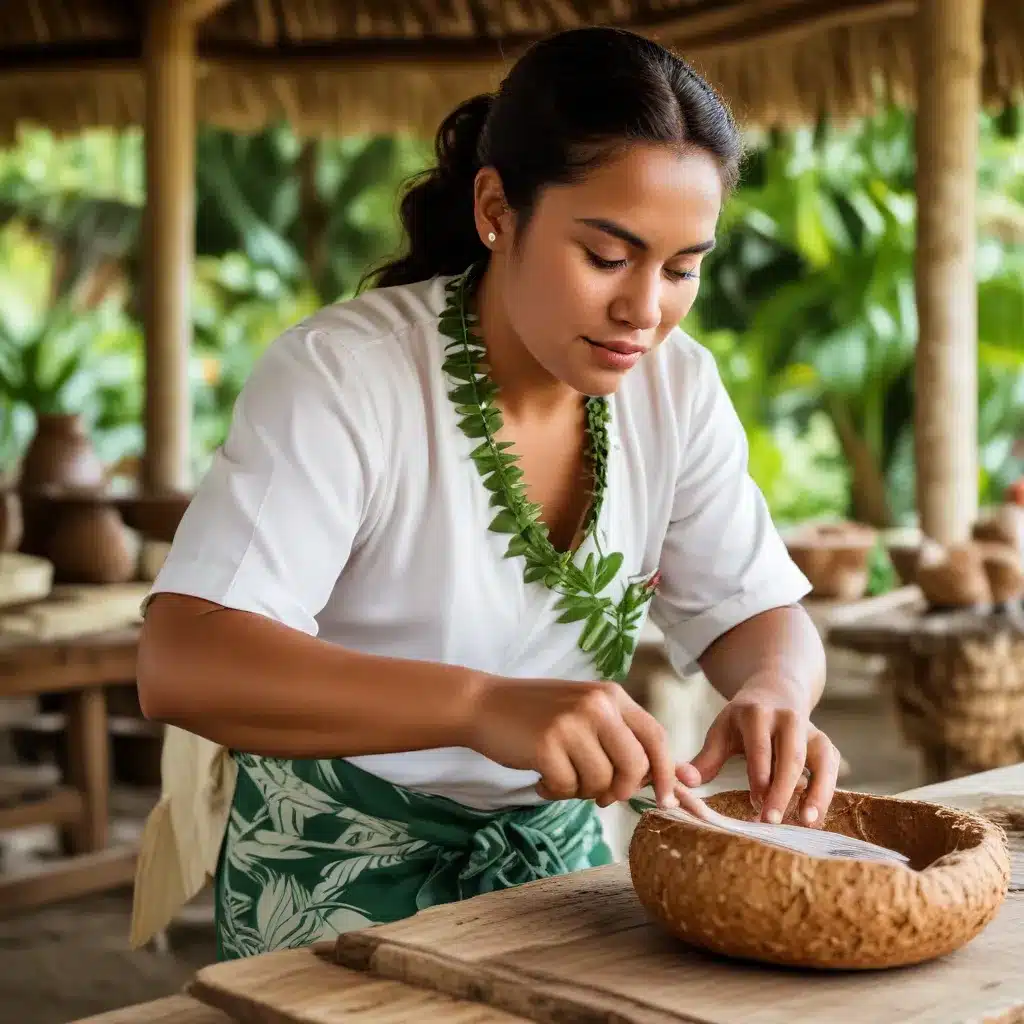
580	950
297	986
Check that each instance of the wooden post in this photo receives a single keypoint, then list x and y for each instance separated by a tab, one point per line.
949	58
170	70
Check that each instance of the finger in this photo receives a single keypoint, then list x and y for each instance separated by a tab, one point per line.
689	801
628	759
823	761
688	775
558	779
593	767
790	757
718	747
753	726
652	737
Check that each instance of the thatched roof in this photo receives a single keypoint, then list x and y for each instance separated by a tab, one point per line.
354	65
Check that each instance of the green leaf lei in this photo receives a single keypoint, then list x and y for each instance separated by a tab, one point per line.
608	631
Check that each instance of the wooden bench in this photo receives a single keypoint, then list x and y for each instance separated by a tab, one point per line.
79	806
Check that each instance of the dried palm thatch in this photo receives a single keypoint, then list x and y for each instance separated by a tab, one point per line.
355	65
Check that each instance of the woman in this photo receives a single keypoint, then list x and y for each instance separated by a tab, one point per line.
403	597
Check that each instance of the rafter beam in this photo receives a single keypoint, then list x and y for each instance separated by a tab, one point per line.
722	28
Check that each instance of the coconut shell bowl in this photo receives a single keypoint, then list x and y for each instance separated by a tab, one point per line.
742	898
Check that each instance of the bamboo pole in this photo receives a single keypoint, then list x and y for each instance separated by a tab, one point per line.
949	57
169	59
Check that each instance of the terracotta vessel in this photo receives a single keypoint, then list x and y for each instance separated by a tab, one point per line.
834	557
954	576
90	544
1003	524
61	457
903	544
742	898
1003	570
155	515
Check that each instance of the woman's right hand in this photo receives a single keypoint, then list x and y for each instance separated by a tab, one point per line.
588	740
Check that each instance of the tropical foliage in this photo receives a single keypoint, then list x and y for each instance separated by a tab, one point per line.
807	303
809	300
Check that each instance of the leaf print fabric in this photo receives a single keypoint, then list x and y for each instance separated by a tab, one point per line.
316	848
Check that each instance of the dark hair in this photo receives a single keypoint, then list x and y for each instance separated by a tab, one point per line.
565	106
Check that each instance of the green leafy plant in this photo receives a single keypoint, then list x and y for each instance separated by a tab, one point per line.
812	288
608	626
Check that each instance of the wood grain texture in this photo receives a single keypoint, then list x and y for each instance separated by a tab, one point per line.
950	56
170	1010
299	987
579	949
631	972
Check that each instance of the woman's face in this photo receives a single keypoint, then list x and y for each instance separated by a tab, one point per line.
609	265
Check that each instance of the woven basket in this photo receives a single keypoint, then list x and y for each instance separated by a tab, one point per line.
735	896
962	703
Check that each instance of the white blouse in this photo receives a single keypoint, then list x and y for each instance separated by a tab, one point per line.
344	504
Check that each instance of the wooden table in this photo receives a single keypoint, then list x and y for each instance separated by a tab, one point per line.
307	987
78	668
957	680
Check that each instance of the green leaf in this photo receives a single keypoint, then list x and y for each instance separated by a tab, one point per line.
464	394
609	566
460	369
589	568
576	612
531	512
593	632
535	573
474	426
504	522
518	545
450	325
611	660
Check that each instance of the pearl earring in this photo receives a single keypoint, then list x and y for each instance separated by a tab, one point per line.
491	237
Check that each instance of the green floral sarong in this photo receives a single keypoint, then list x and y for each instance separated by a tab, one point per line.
315	848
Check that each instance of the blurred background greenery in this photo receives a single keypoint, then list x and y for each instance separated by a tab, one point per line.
807	303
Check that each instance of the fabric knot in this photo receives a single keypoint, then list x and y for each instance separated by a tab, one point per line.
512	848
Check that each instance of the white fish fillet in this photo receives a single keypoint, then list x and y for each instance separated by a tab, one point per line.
811	841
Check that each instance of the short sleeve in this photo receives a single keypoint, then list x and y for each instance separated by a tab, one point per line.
722	561
274	520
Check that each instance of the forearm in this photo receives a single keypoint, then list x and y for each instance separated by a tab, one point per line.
253	684
782	642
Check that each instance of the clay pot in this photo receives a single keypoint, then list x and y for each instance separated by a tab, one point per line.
155	515
1003	525
11	521
1003	570
743	898
904	561
902	545
61	457
953	577
91	544
833	557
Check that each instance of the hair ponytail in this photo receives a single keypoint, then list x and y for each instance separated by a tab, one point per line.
437	210
568	103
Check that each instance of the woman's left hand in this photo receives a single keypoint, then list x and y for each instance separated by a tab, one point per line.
768	721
